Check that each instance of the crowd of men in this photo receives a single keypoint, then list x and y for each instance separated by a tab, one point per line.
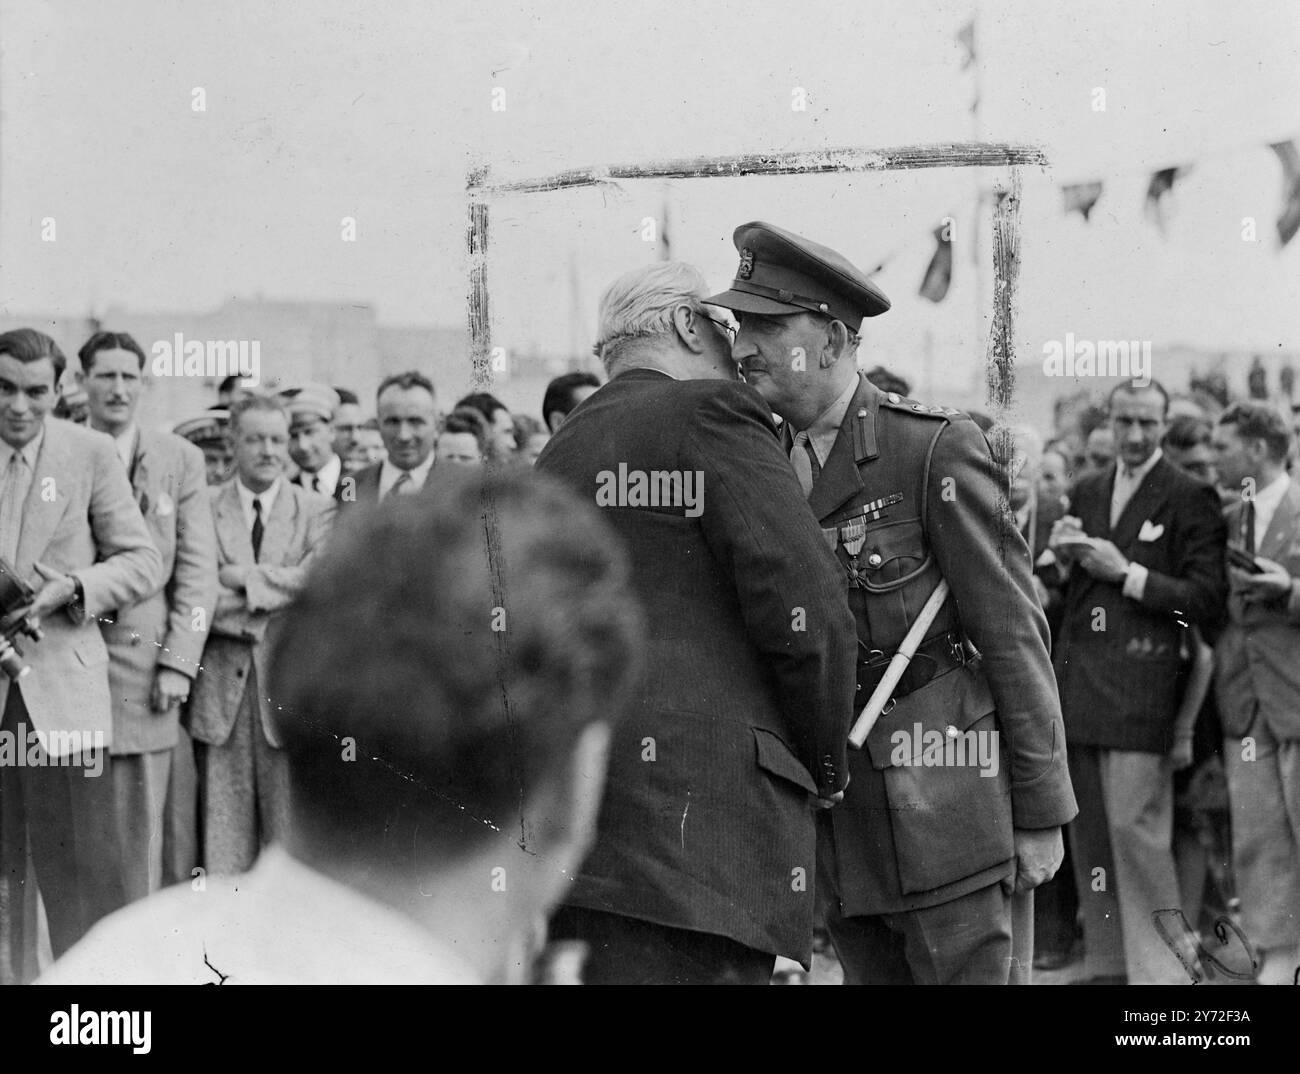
359	700
161	563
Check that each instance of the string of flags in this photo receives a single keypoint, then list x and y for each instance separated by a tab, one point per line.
1082	198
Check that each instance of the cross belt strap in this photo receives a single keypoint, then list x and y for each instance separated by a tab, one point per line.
934	656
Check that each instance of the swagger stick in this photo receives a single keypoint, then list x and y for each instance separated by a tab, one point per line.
915	635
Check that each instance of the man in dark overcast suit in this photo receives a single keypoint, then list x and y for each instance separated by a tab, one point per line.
1144	544
704	861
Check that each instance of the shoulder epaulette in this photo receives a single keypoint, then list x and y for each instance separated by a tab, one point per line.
897	402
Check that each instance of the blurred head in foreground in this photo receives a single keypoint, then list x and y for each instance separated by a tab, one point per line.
478	686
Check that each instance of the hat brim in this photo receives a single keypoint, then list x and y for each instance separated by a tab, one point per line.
747	303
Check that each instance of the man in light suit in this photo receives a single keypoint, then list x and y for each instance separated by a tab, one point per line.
154	647
268	530
1144	547
1258	663
706	851
70	527
409	421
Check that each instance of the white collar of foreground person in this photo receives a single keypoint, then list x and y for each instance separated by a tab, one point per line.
285	922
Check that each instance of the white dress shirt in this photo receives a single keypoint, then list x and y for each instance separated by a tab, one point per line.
247	496
326	478
389	475
124	443
15	495
1126	483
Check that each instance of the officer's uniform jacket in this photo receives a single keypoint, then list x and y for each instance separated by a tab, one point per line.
909	495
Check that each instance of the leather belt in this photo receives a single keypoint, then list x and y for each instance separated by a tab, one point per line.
934	656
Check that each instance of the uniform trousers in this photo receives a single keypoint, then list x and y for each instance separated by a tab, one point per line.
1125	829
1264	795
964	941
243	791
140	793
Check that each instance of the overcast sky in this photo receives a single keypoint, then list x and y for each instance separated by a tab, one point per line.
318	110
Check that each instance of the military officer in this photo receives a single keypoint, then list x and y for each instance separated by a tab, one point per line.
956	802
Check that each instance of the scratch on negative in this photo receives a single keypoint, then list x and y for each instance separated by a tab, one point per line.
684	812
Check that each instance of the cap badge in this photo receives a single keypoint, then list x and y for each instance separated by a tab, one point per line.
746	264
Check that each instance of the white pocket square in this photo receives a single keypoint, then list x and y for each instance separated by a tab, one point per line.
1150	532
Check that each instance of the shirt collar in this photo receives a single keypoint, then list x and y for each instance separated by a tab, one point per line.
826	426
389	474
1142	471
247	496
125	442
30	450
1267	498
328	476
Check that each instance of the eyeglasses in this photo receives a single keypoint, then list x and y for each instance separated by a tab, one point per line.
728	330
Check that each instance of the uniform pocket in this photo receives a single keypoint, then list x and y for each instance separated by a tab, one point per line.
892	553
946	786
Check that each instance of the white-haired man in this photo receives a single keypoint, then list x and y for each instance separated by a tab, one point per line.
705	848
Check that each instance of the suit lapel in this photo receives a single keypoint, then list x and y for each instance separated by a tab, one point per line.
232	530
279	526
1144	502
839	478
1283	524
140	463
56	473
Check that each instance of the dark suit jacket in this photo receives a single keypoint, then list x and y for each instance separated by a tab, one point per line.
365	487
745	706
1118	660
1257	659
910	835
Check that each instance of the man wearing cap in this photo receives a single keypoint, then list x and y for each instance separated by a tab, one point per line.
919	863
311	439
154	645
207	432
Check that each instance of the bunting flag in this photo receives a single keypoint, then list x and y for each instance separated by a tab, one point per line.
1161	183
966	38
1288	221
1080	197
664	243
1286	378
938	275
